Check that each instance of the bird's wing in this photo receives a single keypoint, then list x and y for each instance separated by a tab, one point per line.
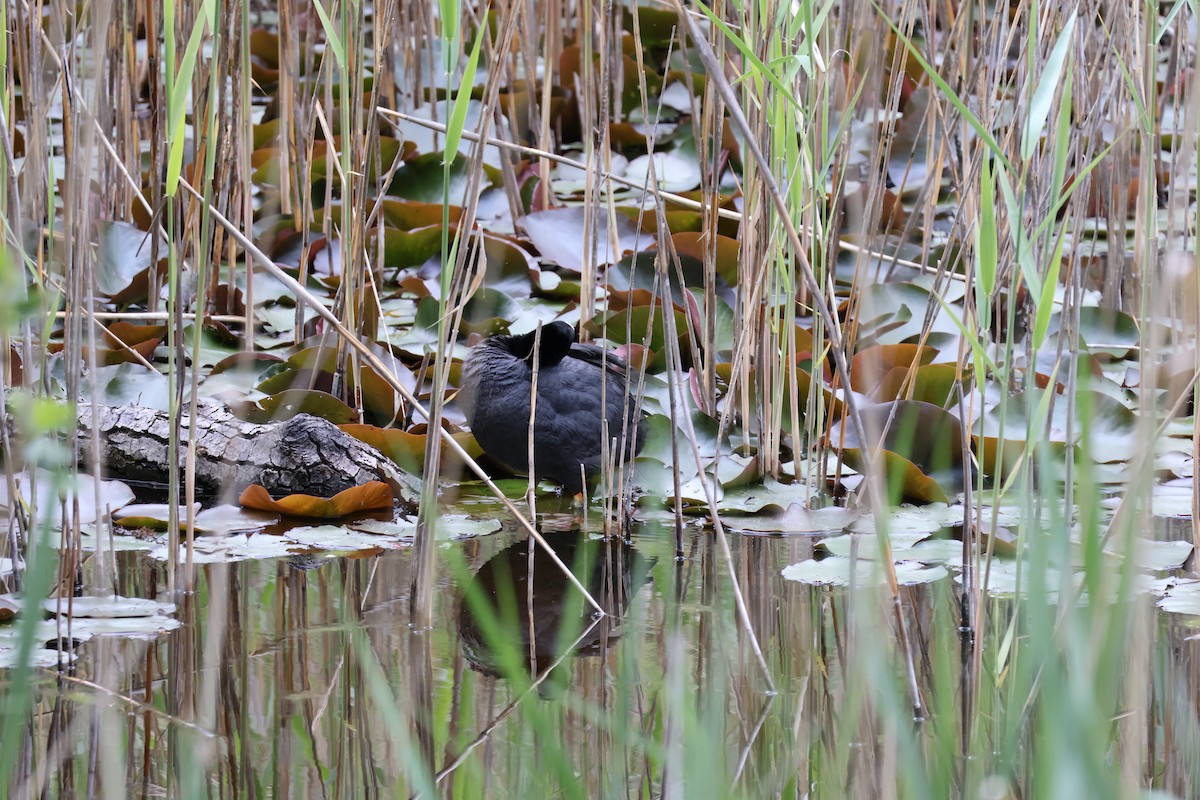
600	357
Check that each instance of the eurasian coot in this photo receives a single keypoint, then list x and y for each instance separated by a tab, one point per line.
578	386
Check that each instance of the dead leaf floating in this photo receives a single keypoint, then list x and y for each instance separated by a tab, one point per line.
370	496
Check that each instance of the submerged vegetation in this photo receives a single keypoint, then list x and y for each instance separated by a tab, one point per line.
908	297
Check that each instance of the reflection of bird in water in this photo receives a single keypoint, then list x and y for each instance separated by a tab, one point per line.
496	613
580	387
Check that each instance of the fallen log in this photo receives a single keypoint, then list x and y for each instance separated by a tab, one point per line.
304	454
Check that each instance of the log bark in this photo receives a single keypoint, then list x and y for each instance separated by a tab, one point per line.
305	454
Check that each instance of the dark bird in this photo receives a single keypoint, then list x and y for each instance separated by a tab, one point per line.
579	386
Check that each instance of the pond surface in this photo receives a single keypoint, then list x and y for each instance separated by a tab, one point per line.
306	678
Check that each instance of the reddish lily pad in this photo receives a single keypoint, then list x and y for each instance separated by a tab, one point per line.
726	251
869	366
370	496
922	448
407	448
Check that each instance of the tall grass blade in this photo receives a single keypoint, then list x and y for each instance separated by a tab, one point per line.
176	117
1043	96
462	98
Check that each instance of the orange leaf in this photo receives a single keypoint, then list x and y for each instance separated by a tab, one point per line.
871	364
370	496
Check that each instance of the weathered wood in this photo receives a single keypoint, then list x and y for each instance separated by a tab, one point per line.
303	454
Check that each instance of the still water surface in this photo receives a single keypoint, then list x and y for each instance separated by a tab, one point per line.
305	677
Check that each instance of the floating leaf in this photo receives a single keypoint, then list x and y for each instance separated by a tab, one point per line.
913	519
1112	428
125	253
1158	556
922	455
148	515
100	536
225	519
399	529
1104	331
288	404
407	215
337	537
867	547
796	519
140	627
216	344
133	334
1003	580
1183	597
489	312
411	248
44	631
559	234
422	179
83	490
370	496
127	384
726	251
408	449
635	278
870	365
673	171
1167	500
836	571
931	383
109	607
238	547
643	325
460	526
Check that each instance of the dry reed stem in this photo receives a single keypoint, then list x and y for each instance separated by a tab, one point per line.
716	74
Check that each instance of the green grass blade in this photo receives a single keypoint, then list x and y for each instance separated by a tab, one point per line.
331	35
176	117
985	238
748	53
1043	95
458	113
1020	242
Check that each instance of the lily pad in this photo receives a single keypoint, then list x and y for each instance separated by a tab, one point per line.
109	607
913	519
127	384
796	519
674	172
338	537
148	515
559	234
836	571
867	547
125	252
1182	598
1158	556
370	496
460	526
147	627
82	489
238	547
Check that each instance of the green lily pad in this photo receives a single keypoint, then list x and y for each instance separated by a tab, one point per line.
836	571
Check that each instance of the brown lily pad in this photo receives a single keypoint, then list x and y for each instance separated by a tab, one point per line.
370	496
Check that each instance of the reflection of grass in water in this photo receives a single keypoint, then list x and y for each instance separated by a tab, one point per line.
318	675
